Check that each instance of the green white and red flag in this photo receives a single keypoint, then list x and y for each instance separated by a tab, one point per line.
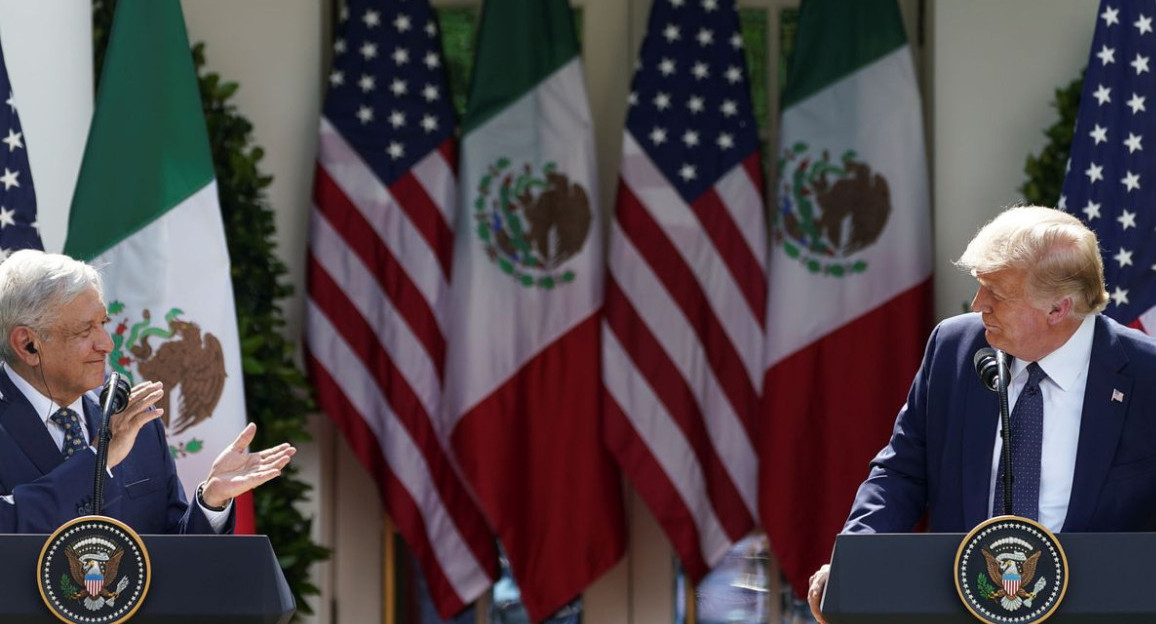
849	301
523	362
146	211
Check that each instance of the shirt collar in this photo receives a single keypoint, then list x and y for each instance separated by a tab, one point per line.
1065	365
44	406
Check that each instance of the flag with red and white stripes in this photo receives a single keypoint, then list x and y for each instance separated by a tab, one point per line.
380	252
686	291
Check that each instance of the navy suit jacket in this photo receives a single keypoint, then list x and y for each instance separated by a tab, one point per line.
46	490
939	458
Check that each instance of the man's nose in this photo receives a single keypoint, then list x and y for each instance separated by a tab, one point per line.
978	302
104	342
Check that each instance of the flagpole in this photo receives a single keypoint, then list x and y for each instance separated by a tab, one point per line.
691	601
482	609
774	589
388	572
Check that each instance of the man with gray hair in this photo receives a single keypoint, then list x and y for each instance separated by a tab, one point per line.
54	349
1082	392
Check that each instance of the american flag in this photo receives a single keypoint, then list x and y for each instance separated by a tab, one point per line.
1111	179
686	292
18	226
378	268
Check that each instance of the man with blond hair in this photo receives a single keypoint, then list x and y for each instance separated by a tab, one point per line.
1086	431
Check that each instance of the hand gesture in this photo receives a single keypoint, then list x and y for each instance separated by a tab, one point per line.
236	470
126	425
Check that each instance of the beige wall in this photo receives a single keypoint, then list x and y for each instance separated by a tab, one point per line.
48	52
995	65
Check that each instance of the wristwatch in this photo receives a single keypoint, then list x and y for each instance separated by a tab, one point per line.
201	500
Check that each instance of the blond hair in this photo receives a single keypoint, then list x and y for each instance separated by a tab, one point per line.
1059	254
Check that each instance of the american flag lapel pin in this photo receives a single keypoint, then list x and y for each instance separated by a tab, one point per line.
1117	395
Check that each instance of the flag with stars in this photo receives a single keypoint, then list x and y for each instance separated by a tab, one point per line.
686	286
18	226
850	271
523	364
1111	178
378	267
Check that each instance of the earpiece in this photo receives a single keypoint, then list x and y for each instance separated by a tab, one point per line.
30	348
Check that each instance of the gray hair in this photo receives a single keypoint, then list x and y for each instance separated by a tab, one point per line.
1060	255
34	286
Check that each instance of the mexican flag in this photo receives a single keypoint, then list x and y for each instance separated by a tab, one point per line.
146	212
523	359
849	301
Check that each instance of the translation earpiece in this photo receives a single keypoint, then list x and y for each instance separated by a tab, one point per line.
30	348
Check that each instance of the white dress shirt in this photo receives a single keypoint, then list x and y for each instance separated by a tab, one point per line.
1063	395
46	407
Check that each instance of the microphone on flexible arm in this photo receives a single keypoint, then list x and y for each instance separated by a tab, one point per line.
992	368
113	400
986	362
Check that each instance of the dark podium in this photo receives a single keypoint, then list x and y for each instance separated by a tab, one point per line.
219	578
908	578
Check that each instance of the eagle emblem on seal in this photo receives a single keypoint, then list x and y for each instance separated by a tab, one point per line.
96	574
93	570
1011	570
1012	573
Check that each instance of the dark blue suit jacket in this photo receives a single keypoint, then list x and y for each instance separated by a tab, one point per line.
939	458
144	491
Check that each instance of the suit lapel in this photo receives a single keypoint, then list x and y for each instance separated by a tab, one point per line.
1101	421
25	425
980	419
91	418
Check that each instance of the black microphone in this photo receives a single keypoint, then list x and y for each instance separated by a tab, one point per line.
986	362
113	400
119	394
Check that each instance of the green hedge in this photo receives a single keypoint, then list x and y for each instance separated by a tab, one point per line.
1045	172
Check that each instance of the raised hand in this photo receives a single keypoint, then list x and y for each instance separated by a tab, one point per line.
236	470
127	424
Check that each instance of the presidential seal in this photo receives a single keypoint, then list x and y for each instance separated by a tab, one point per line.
93	570
1011	570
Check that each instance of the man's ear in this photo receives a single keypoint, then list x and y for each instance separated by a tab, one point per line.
1060	310
24	344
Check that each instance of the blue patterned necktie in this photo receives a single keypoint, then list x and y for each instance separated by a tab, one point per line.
1027	433
73	434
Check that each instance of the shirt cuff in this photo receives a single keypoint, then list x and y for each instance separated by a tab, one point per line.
217	519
